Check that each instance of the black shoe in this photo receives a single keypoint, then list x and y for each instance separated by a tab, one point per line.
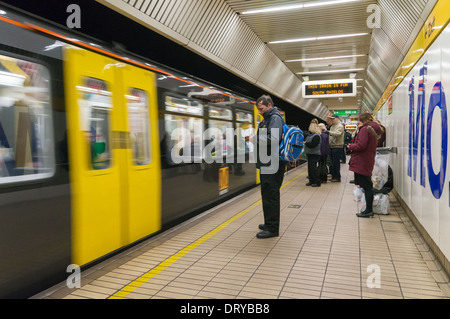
309	184
266	234
365	214
262	226
352	182
315	185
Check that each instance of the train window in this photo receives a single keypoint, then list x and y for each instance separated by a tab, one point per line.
244	117
218	135
244	131
95	108
138	121
183	105
220	113
26	128
184	135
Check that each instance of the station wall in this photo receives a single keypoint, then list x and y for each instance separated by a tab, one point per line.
416	120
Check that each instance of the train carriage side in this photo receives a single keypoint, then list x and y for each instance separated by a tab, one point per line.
202	133
35	213
63	106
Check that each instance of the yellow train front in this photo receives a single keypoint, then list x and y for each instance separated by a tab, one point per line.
99	150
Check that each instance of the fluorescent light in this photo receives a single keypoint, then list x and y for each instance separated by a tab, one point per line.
275	9
320	38
326	3
327	58
294	40
341	36
330	71
297	6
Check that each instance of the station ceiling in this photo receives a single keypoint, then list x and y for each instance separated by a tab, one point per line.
301	40
368	37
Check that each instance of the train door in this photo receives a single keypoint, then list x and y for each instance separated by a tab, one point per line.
258	119
111	168
143	170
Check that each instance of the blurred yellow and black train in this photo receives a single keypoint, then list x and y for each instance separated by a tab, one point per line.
86	151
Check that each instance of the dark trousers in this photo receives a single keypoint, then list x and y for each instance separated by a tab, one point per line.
323	168
270	193
366	184
336	155
344	154
313	169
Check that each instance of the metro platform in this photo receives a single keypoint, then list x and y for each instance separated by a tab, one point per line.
324	251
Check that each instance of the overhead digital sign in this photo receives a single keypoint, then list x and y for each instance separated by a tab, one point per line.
329	89
346	112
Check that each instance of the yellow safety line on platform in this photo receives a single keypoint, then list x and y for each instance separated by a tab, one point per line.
169	261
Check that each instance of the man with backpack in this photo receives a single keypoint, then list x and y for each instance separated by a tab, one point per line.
271	180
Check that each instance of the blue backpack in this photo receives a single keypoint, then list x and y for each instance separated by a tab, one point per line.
291	144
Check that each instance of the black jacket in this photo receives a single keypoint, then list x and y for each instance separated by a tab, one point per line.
272	119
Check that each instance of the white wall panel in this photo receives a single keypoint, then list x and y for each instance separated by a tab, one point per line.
403	135
432	211
444	217
430	206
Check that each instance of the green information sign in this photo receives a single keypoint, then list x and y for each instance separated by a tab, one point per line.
346	112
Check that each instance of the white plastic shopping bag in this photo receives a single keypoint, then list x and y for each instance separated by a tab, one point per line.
380	171
357	193
380	204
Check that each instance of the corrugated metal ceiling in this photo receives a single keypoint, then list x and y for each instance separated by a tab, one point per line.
382	49
240	43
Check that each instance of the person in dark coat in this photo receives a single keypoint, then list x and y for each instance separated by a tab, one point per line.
363	158
313	143
271	181
325	151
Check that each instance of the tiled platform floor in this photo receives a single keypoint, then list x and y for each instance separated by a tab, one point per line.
323	251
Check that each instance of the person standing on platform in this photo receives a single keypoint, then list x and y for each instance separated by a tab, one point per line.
324	153
336	133
347	140
271	181
363	154
313	143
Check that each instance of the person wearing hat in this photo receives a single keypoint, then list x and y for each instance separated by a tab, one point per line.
337	133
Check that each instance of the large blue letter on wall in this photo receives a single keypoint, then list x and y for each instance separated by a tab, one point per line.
437	181
415	130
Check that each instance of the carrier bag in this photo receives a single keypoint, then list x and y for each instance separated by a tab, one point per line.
381	205
380	171
357	193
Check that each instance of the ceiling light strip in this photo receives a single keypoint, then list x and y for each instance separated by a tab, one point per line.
327	58
331	37
330	71
297	6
